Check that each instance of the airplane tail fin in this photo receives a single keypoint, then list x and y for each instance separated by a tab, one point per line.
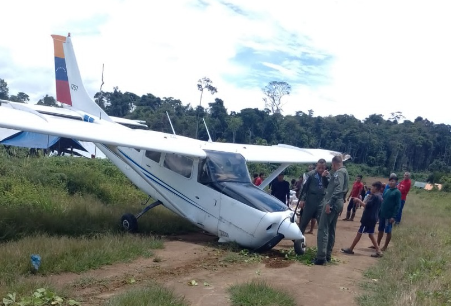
69	85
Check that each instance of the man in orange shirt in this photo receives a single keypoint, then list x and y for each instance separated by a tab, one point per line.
404	187
355	193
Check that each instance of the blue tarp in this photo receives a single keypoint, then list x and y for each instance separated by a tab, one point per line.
39	141
30	140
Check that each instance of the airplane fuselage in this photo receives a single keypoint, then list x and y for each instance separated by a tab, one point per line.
215	194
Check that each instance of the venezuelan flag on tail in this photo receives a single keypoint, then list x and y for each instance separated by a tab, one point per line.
62	81
69	86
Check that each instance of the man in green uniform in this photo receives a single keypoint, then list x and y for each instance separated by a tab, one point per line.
333	204
313	192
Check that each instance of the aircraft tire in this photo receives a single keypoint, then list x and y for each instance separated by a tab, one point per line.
129	223
299	247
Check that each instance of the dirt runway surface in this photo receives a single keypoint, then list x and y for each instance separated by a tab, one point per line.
195	267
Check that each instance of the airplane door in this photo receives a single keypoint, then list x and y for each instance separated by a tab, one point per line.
210	202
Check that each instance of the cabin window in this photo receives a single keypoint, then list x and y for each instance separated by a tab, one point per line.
180	164
153	155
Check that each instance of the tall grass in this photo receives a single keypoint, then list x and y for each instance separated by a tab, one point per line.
151	295
416	268
257	293
72	196
67	210
64	254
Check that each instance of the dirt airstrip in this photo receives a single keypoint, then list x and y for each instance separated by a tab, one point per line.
195	258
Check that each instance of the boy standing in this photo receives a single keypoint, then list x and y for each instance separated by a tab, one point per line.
389	209
355	193
369	219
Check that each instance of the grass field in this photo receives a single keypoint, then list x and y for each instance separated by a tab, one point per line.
51	207
257	293
416	270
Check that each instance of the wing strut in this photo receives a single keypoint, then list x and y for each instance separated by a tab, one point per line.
273	175
170	122
209	138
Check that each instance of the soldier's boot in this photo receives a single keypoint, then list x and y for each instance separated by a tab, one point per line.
352	217
348	214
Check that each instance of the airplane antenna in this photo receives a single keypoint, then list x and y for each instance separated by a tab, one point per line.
209	138
103	66
101	94
170	123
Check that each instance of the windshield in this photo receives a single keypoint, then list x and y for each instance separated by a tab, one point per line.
223	167
252	196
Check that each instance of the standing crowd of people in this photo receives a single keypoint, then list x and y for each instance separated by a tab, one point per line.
321	197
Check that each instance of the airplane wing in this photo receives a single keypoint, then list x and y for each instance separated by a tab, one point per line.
93	130
21	117
274	154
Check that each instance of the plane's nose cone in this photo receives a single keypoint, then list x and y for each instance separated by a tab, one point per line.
290	230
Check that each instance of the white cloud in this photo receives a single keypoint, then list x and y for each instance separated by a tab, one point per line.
385	56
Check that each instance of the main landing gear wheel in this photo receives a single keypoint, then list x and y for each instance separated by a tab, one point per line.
129	223
299	247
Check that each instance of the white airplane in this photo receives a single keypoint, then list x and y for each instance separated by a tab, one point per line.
206	182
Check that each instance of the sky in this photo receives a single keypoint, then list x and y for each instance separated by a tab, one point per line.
340	57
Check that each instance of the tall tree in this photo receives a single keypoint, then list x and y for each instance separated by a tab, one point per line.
4	90
234	123
204	84
48	101
117	103
20	97
274	93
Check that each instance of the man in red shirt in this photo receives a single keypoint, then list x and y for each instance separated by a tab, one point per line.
355	193
404	187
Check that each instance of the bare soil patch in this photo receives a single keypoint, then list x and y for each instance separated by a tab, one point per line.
196	257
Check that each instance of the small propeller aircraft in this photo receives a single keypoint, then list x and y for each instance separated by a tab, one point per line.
206	182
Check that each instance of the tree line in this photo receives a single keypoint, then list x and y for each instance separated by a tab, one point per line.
387	143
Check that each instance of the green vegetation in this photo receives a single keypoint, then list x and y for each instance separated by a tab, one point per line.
415	270
41	296
67	210
151	295
258	293
55	196
416	144
307	258
65	254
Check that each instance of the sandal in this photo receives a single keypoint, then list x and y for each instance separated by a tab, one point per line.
347	251
377	255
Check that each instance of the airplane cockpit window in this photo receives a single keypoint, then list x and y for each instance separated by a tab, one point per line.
223	167
180	164
227	173
153	155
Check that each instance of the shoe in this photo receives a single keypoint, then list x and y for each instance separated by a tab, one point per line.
348	215
319	262
328	259
347	251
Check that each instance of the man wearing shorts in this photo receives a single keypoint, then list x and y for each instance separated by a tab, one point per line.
369	219
389	210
